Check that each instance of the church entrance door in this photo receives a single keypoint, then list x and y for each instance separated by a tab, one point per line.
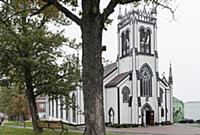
149	117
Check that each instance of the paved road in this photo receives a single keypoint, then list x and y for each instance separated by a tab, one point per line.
176	129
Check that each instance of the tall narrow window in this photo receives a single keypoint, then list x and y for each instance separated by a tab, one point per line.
161	95
61	107
67	108
56	107
111	115
74	107
148	42
162	112
125	92
125	43
52	108
145	41
146	81
142	40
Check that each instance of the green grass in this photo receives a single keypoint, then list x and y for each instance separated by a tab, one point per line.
16	123
24	131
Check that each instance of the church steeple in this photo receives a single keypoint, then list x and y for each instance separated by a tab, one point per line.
170	75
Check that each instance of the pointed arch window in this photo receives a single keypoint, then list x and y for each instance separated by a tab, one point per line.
61	107
148	42
161	95
67	108
125	43
50	107
145	41
142	40
146	81
111	114
74	107
52	103
125	92
57	107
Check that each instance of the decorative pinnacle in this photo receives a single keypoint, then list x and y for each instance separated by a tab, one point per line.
120	13
170	74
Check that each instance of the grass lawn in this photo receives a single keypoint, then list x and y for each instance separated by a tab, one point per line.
23	131
16	123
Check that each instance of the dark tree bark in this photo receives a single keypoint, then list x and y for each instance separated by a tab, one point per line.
92	24
31	99
92	28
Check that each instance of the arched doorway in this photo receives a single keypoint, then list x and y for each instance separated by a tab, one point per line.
111	115
147	115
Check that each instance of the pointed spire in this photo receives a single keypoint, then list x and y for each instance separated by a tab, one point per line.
170	75
144	9
153	10
120	13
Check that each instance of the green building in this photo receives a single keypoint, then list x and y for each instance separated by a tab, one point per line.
178	110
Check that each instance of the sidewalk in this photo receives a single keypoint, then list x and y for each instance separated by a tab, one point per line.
176	129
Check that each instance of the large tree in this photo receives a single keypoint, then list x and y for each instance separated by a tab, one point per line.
92	21
29	54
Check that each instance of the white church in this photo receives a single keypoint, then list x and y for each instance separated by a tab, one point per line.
134	93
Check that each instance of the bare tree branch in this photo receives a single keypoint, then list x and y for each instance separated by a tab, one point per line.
109	9
164	6
126	1
61	8
111	6
67	13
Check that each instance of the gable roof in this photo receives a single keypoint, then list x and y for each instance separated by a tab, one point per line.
115	81
109	69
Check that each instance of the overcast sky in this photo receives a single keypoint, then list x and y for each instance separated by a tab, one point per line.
178	43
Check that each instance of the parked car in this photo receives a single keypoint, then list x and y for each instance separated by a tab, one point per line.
187	121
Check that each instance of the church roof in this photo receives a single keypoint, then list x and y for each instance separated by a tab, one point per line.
115	81
109	69
164	81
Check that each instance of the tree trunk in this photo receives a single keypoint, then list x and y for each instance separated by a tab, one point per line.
92	70
31	100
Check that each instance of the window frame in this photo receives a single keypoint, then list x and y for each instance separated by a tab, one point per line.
146	84
74	107
145	48
125	94
125	45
